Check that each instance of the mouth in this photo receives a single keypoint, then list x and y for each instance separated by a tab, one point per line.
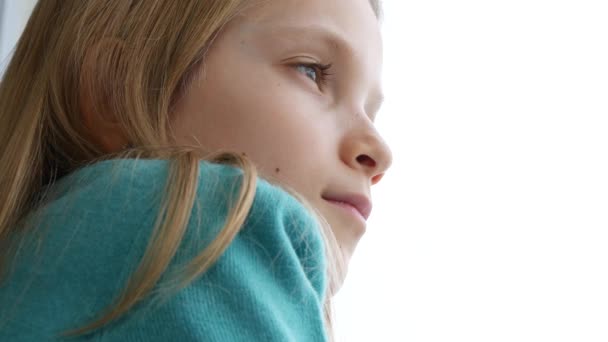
357	204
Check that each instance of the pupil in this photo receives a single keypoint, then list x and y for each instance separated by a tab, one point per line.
312	73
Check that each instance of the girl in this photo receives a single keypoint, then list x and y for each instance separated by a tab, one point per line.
131	137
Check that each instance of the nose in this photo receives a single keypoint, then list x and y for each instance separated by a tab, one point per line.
367	152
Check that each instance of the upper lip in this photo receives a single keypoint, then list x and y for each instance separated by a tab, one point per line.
360	202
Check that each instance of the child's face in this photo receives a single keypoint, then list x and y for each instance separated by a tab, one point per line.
254	98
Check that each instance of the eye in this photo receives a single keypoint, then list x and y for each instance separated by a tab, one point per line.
309	70
316	72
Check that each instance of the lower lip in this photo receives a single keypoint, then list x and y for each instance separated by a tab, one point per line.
349	208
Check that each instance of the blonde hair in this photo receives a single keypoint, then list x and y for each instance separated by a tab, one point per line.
144	55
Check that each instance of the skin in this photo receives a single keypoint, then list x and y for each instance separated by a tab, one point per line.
254	96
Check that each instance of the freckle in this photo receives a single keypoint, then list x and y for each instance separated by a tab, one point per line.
277	170
244	154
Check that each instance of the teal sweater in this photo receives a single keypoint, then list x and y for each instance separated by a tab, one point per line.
269	285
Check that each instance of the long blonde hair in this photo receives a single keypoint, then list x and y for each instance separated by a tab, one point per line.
144	56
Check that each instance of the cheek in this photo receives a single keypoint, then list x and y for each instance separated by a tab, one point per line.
276	123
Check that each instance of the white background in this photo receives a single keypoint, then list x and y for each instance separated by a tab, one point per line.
492	224
14	16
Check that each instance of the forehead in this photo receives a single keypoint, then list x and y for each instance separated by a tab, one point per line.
348	24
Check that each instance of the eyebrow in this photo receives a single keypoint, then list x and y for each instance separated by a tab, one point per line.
333	40
328	36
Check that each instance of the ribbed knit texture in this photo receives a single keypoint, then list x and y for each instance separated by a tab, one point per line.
92	232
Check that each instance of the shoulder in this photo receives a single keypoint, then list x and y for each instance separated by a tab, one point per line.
109	209
131	182
127	189
96	226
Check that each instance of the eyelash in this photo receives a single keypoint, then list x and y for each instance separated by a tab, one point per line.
322	72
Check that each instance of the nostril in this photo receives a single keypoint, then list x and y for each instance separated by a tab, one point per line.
366	160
